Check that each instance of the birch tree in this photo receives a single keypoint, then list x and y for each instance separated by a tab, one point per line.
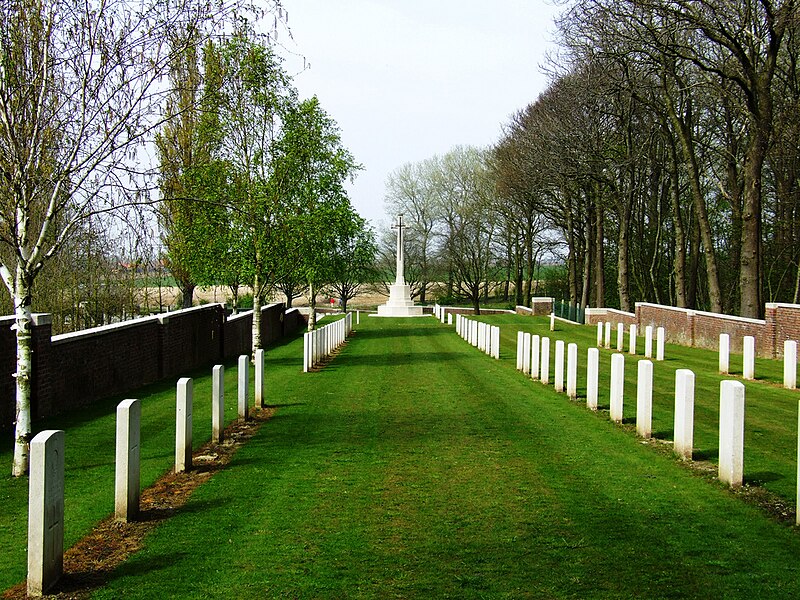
80	89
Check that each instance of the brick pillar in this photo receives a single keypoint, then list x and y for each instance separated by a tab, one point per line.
771	345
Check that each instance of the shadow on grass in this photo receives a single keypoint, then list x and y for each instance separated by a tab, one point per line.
145	566
762	478
710	454
404	331
390	359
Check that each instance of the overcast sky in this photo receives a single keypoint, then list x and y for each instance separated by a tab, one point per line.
409	79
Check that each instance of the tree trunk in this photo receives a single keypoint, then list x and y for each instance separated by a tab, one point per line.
684	131
750	273
312	304
599	259
694	266
587	268
679	267
22	377
256	312
187	293
622	266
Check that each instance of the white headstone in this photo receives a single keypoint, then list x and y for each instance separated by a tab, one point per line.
724	353
684	413
535	364
526	353
632	340
644	399
520	337
552	321
617	386
592	369
544	368
790	364
307	351
449	318
749	357
261	400
661	336
45	511
620	337
243	373
607	335
648	341
572	371
218	404
183	426
599	333
559	366
731	432
126	476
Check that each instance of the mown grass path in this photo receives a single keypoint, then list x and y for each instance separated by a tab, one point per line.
413	466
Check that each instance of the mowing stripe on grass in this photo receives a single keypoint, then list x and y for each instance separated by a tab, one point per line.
415	466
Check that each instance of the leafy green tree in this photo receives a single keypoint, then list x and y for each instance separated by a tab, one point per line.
254	96
353	259
311	169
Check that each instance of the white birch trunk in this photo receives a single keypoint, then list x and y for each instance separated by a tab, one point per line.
256	334
22	427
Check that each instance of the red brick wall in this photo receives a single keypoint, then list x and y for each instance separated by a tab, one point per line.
786	319
237	331
609	315
191	338
702	329
96	363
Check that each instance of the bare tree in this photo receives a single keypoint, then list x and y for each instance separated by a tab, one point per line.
81	86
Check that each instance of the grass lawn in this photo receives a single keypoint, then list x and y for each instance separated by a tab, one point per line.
414	466
771	411
89	456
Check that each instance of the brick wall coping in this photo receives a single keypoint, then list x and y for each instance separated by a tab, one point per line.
613	311
240	315
161	318
691	312
781	305
524	309
164	317
64	337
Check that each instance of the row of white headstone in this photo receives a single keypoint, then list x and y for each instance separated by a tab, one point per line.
46	481
533	360
604	339
442	315
483	336
321	343
749	359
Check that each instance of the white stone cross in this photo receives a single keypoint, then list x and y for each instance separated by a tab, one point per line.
399	226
